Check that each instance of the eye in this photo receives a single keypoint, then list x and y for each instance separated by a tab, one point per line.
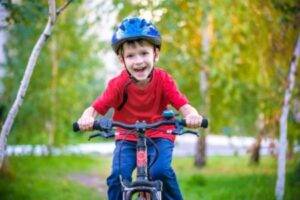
129	56
144	53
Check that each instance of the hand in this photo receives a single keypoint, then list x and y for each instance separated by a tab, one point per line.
193	120
86	123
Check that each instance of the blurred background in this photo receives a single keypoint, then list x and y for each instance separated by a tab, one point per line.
231	59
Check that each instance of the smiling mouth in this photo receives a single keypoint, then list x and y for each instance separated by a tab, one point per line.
140	69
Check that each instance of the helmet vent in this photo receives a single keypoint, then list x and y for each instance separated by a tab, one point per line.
122	27
134	29
132	21
143	23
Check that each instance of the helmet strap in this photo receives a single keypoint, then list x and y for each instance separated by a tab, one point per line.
130	76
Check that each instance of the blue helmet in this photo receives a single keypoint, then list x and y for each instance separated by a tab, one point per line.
134	28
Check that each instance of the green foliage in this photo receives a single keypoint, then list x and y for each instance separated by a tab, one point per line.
62	84
250	46
247	62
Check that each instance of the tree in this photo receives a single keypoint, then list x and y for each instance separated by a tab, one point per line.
250	45
78	71
53	14
283	123
207	36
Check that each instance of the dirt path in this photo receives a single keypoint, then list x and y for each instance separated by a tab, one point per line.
92	181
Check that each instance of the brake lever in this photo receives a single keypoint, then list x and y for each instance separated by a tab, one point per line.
104	134
94	135
179	128
191	132
177	131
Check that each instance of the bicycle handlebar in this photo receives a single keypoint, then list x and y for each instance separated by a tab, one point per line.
105	124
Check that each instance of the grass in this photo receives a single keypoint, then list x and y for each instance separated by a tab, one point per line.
232	178
223	178
48	178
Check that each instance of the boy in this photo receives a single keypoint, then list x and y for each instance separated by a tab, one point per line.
140	92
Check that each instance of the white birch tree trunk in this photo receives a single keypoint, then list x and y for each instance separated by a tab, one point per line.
279	190
53	14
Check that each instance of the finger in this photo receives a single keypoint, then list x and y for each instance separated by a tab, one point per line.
195	123
192	123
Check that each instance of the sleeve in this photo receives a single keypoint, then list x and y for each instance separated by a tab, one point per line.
109	98
172	93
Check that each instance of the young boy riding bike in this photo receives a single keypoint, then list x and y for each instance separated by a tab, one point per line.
141	92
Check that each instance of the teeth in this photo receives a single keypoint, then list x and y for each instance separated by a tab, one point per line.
140	69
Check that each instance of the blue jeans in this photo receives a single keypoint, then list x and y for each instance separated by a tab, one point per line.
124	162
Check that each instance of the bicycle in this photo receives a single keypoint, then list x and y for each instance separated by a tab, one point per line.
145	188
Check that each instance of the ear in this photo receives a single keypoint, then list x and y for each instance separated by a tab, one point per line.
121	60
156	54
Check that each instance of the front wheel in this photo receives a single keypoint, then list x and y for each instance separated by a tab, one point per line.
142	196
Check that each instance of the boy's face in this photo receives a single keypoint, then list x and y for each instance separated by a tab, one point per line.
139	58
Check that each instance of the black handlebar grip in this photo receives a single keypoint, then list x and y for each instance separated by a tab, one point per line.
76	127
204	123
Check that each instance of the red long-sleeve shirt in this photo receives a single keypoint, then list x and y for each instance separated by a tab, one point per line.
146	103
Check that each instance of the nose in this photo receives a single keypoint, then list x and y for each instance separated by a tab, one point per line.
138	60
